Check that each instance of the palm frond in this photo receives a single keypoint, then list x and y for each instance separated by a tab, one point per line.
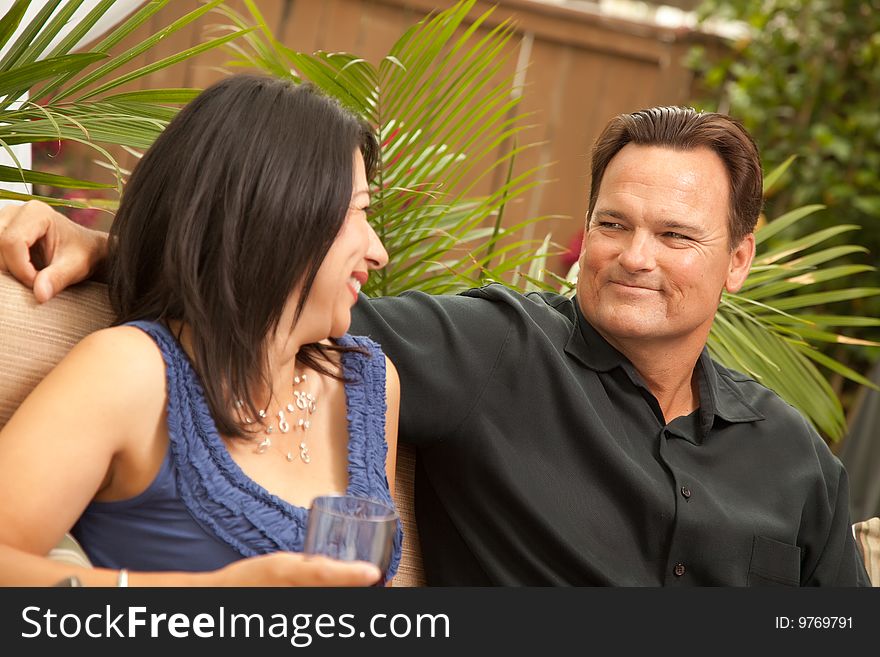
75	91
770	328
448	121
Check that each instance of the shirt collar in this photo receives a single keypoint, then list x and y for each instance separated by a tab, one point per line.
718	397
727	402
586	345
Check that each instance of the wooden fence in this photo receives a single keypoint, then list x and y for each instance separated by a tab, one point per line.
578	69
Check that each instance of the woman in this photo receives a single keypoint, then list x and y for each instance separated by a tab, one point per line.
189	438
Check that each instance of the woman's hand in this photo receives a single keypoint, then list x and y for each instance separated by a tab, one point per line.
295	569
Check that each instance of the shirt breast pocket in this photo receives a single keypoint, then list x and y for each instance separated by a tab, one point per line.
774	563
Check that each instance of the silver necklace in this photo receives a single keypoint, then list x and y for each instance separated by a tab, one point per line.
304	405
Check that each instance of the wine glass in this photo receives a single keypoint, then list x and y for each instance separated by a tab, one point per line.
352	528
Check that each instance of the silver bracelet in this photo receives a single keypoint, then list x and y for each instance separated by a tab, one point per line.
122	580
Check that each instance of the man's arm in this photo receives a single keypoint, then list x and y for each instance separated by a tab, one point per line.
38	246
444	348
47	251
835	559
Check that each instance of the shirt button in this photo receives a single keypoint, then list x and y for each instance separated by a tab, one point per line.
685	492
679	569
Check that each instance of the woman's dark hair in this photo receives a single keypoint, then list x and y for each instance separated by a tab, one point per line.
685	129
235	204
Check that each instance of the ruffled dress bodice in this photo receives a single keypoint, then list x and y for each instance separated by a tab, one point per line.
202	512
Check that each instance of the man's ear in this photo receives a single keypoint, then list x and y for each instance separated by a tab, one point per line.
740	262
586	228
584	234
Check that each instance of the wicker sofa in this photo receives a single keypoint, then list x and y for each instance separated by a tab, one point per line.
34	337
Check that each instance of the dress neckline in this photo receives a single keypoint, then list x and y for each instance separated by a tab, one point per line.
224	460
227	462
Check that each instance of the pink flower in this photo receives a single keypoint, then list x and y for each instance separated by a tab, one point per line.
50	149
83	216
574	250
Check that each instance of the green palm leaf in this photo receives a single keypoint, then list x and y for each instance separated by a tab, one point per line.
11	20
809	276
783	222
774	176
74	88
13	174
448	122
15	81
769	328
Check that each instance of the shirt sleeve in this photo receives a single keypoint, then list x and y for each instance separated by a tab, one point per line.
835	559
444	348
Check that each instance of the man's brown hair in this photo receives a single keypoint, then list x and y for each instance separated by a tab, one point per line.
685	129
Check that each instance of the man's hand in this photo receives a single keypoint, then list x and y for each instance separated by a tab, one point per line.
45	250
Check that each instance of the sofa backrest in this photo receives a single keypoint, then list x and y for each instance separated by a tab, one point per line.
34	337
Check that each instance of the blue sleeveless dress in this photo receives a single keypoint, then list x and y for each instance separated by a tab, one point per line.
202	512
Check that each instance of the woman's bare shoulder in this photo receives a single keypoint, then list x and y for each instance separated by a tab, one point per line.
121	361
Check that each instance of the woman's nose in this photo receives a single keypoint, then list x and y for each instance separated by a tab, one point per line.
377	256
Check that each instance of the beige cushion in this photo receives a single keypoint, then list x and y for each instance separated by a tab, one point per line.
70	551
34	337
411	571
867	535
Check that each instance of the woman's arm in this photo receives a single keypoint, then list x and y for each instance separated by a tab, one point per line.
92	427
65	442
18	568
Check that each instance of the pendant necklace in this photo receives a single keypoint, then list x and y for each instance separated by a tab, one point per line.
301	409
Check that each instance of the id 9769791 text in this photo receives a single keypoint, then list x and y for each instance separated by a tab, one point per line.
814	623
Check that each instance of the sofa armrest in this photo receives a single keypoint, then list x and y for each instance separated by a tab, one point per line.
411	571
34	337
867	533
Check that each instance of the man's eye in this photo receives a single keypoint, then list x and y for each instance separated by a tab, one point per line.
677	236
609	224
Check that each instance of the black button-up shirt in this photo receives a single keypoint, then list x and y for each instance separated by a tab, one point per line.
543	458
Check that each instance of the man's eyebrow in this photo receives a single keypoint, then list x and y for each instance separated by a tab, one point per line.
608	213
682	227
667	224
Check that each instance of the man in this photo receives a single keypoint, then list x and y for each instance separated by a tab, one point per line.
594	441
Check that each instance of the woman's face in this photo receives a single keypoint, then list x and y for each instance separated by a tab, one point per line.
355	251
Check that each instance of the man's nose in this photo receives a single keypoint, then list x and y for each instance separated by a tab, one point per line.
638	253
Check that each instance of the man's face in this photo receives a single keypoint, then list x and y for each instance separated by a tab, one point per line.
656	255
